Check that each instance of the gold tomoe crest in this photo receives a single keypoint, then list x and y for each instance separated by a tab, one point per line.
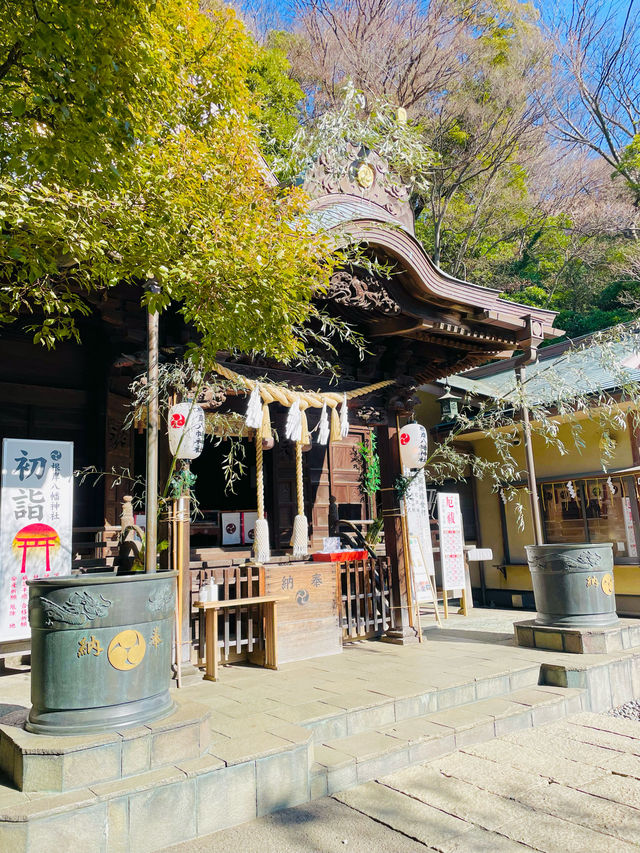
365	175
127	649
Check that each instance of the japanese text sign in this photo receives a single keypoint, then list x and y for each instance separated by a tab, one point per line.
36	509
451	541
419	529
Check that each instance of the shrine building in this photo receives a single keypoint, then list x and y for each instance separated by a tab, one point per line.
419	325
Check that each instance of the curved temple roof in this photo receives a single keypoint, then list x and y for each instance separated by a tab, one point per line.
433	307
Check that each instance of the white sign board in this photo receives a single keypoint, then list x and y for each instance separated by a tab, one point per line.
36	517
231	533
479	555
629	529
419	529
451	541
248	520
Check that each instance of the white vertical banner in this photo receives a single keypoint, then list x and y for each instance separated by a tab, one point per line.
36	519
419	530
632	548
451	541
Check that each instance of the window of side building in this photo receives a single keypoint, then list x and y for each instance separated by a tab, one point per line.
593	509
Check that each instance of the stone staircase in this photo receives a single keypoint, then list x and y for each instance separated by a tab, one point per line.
177	779
341	763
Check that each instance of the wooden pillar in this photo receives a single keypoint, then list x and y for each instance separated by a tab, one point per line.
390	469
634	439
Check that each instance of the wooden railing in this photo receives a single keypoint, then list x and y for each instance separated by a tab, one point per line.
364	590
240	632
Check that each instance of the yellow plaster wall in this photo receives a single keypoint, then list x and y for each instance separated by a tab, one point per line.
428	410
626	579
549	463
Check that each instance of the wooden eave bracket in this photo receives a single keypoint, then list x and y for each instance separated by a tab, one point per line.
518	324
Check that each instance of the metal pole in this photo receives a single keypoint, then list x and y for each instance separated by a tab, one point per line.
151	496
531	470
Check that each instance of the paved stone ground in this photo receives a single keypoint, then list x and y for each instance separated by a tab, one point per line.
630	710
248	698
568	787
316	727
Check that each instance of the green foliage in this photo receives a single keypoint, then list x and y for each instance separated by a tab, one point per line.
128	152
373	125
181	483
369	463
278	96
629	166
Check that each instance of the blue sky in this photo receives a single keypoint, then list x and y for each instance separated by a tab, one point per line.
549	9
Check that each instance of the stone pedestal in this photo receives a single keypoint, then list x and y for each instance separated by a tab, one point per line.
47	763
625	634
401	636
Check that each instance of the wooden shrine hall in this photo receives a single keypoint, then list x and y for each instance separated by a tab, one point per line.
419	324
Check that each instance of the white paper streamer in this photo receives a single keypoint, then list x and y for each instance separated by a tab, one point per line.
293	427
344	418
323	427
253	418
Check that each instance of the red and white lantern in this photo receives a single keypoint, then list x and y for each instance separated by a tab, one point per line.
413	446
186	422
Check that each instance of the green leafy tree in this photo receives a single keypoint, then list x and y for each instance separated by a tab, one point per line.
128	152
278	95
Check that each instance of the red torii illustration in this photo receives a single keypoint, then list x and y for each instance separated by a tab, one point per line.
36	536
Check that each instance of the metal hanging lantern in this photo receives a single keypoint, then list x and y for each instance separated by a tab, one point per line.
186	430
414	444
449	404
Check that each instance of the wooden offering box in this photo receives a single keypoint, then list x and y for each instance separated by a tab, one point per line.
308	625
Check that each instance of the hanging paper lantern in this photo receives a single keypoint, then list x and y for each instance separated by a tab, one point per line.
413	446
186	422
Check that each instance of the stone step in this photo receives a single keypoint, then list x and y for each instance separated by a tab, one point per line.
359	714
210	794
251	772
340	763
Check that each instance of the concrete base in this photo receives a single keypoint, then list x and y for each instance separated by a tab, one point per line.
401	636
323	734
582	641
47	763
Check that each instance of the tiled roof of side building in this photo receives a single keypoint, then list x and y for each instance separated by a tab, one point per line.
561	371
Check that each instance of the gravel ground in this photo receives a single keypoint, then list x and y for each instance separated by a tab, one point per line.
630	710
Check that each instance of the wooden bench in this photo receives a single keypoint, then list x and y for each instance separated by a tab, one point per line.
211	608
